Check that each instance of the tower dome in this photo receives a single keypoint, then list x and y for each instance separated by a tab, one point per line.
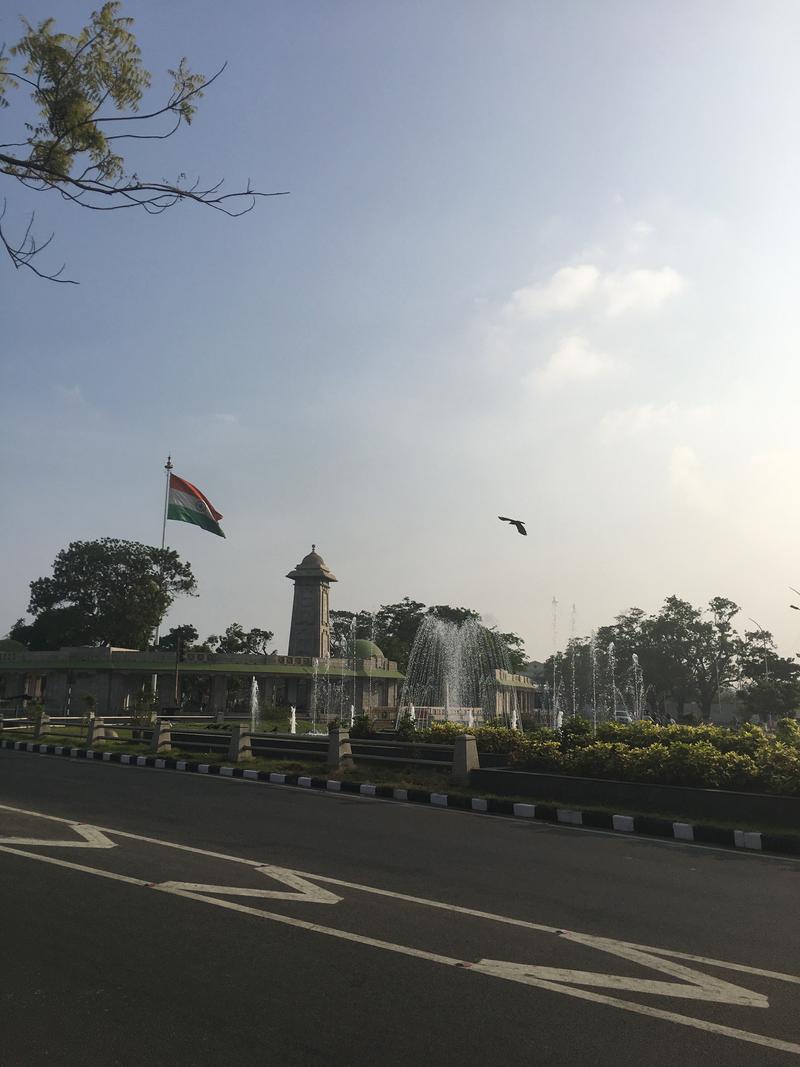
312	566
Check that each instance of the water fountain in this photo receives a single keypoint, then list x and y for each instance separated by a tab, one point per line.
255	709
451	671
292	719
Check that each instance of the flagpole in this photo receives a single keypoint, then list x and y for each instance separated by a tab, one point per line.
167	468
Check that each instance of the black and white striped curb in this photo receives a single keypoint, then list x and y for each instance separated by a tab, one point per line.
638	824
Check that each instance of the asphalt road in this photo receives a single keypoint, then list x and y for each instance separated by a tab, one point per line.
150	917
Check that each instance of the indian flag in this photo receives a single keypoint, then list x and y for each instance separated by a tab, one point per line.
188	504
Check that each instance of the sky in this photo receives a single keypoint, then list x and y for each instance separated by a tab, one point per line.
536	260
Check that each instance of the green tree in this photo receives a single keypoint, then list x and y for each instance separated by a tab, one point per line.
236	640
771	698
396	627
455	615
186	635
57	628
342	623
85	93
515	647
106	592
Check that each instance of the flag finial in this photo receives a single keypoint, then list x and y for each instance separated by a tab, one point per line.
168	464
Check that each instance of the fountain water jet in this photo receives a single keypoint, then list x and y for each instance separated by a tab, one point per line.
451	670
255	710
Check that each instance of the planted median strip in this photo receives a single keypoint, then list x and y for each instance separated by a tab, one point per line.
412	785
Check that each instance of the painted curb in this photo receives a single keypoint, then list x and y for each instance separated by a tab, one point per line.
646	825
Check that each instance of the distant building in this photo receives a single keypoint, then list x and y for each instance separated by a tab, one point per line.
213	683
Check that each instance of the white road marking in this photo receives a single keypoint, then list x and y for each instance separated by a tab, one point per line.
441	905
92	838
557	980
581	994
695	985
303	891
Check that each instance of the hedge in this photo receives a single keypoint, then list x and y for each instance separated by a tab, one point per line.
709	757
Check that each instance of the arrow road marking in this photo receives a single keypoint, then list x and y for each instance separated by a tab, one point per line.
302	890
92	838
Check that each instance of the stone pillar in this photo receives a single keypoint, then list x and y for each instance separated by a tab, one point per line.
161	740
240	747
219	695
340	754
95	732
465	759
41	725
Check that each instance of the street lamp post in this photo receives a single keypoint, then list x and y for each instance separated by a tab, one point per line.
763	632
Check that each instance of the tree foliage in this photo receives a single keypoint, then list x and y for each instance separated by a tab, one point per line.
105	592
236	640
178	637
683	653
393	628
85	91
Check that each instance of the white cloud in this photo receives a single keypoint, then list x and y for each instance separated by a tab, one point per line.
639	290
691	483
655	419
614	293
225	417
568	288
574	362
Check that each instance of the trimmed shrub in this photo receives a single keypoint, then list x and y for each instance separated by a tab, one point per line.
442	733
575	733
788	731
779	769
600	759
499	738
362	727
543	756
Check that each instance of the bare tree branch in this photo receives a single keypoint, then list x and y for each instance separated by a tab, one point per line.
23	252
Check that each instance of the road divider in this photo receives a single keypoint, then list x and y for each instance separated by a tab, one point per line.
701	833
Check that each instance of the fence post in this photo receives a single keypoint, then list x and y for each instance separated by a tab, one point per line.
40	725
96	731
465	759
340	754
240	746
161	740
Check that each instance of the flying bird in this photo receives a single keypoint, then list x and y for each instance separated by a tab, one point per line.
515	522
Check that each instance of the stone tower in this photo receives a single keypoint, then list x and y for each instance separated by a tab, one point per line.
310	634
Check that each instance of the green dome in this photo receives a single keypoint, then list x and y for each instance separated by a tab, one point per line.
8	644
367	649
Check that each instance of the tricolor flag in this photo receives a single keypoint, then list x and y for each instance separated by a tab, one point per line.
187	504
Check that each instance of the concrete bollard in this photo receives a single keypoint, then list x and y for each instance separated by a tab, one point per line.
465	759
96	731
340	754
240	747
41	726
161	740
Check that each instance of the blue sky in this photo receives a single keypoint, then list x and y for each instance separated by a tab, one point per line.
537	259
